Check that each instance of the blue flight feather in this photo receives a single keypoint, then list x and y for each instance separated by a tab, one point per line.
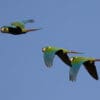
74	71
48	58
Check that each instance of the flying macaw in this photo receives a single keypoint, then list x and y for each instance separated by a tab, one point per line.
89	64
17	28
51	51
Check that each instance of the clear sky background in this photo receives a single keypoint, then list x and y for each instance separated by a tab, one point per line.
70	24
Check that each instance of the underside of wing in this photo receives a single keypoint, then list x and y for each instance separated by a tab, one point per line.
74	71
63	56
48	58
91	68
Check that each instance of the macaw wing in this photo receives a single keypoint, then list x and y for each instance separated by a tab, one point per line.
48	58
91	68
18	24
28	21
74	71
63	56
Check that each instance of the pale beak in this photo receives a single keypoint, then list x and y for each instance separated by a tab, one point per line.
43	49
71	59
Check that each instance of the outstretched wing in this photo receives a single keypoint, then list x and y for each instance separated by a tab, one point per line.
28	21
74	71
91	68
48	58
22	23
18	24
63	56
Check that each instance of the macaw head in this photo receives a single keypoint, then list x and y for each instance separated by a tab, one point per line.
4	29
49	49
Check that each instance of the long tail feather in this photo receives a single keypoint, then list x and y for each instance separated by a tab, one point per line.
76	52
97	59
34	29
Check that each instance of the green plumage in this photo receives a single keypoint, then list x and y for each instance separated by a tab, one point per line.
77	59
89	64
18	27
51	51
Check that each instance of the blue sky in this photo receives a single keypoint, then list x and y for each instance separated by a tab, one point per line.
71	24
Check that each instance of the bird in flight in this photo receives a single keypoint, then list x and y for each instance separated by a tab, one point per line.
49	53
18	27
88	63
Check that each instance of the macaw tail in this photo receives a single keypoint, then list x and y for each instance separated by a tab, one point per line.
28	21
97	59
33	29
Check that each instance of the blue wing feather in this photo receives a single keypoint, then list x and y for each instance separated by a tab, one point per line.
48	58
74	71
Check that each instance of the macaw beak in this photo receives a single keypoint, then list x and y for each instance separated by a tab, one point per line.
75	52
43	49
71	59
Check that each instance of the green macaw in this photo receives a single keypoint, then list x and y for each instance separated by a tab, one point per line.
51	51
89	64
17	28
